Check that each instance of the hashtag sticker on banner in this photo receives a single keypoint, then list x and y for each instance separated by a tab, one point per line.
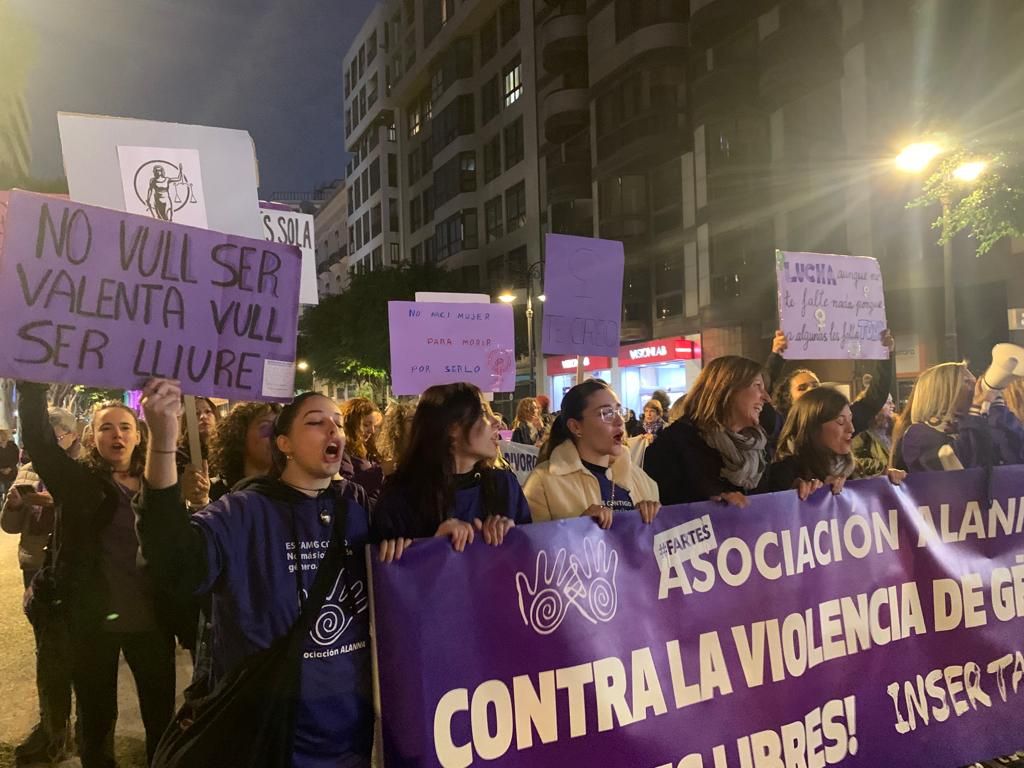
684	542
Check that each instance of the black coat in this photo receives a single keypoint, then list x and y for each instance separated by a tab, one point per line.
686	468
87	500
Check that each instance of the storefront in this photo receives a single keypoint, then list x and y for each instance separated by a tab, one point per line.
670	364
562	375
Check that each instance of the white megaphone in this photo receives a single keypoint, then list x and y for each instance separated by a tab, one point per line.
1007	364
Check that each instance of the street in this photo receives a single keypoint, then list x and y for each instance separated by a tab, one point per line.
17	675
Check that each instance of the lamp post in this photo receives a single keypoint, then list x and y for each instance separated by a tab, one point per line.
915	158
533	271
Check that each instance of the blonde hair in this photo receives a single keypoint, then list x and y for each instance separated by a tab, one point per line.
352	413
523	411
1014	396
707	404
394	432
933	400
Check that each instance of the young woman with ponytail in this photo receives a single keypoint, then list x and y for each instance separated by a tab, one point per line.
585	468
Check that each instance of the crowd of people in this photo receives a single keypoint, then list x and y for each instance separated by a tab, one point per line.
129	543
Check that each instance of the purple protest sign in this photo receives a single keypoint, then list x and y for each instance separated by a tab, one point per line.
441	343
880	627
831	307
583	295
99	297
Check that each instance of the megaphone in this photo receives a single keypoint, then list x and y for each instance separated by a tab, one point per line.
1007	364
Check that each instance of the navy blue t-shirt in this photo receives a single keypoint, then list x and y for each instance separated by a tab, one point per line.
254	547
620	501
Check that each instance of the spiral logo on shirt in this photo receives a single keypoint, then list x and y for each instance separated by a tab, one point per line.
342	605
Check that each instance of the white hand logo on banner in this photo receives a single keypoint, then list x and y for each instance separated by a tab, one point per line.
589	586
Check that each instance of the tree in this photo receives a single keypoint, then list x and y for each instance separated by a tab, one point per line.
992	209
345	337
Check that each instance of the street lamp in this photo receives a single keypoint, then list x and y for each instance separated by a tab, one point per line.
915	158
532	272
302	365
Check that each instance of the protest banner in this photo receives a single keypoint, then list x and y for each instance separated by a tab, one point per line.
189	174
831	307
441	343
109	299
879	627
583	292
283	225
521	459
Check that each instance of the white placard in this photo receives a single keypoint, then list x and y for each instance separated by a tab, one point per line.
163	183
278	378
281	226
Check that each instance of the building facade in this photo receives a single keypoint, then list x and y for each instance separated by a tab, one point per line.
15	150
330	224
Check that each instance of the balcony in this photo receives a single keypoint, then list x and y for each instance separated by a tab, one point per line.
652	133
716	20
565	113
801	55
563	43
568	180
724	92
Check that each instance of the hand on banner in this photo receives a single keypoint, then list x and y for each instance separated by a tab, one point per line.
494	528
836	484
648	510
805	488
161	402
391	549
896	476
195	485
733	499
459	532
602	515
779	344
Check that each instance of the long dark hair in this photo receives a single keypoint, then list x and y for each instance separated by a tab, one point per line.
227	445
573	405
282	426
426	469
803	423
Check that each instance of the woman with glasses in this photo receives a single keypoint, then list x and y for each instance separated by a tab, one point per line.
585	468
447	484
717	449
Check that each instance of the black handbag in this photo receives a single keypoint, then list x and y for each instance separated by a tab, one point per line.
248	717
45	600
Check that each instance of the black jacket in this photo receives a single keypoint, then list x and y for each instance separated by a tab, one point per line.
87	500
686	468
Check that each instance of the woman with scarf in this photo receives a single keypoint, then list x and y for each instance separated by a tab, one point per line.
816	445
716	450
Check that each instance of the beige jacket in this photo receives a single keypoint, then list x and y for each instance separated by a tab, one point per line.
563	487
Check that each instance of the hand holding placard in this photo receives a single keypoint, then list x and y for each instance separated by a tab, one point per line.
583	287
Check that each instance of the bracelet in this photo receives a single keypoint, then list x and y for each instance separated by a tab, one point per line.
157	450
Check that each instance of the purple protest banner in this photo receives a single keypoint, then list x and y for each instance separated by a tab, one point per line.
831	307
108	299
880	627
441	343
583	295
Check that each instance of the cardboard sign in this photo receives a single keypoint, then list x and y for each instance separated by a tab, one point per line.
521	459
109	299
291	228
442	343
583	287
206	173
831	307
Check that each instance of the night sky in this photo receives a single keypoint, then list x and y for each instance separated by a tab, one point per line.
271	67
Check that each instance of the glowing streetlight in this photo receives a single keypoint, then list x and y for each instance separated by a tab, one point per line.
970	171
542	297
917	156
507	297
302	365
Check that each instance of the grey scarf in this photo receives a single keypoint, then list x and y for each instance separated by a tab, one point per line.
743	459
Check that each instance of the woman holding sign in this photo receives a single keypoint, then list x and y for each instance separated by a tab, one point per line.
585	467
446	484
816	445
717	449
258	552
112	604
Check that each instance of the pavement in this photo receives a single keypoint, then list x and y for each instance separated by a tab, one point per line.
18	701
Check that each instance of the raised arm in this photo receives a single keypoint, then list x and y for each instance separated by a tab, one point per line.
174	550
866	408
62	475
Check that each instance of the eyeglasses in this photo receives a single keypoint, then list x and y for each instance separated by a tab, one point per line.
608	413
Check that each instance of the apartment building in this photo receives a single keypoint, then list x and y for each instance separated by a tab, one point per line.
374	231
330	223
